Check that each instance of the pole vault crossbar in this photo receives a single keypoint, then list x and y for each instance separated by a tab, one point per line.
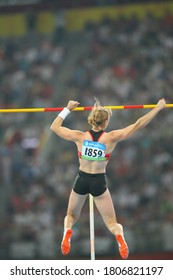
57	109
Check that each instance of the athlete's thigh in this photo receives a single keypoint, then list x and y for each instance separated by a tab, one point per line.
75	204
105	205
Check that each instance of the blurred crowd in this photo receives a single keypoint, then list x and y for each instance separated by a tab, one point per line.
124	61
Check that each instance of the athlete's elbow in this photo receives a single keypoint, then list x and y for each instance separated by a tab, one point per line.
53	127
139	124
128	133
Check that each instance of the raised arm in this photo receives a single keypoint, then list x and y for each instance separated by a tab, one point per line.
64	132
122	134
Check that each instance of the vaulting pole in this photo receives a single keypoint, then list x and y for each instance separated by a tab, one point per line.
92	234
56	109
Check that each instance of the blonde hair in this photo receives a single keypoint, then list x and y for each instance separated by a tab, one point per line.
98	114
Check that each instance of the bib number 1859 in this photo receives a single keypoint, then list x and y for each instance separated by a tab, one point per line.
90	152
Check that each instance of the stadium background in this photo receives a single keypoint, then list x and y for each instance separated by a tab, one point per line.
49	53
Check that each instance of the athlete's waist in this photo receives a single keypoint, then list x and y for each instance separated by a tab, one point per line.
91	174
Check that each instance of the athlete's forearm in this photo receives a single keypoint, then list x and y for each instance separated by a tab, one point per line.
63	114
56	123
143	121
140	123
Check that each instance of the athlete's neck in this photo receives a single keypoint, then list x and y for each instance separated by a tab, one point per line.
97	129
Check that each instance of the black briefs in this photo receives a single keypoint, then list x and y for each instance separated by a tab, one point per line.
85	183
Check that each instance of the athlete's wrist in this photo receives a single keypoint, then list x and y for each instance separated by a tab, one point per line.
64	113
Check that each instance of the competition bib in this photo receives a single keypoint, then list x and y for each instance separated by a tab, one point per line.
92	150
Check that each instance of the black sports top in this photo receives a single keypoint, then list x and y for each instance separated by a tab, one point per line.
95	135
